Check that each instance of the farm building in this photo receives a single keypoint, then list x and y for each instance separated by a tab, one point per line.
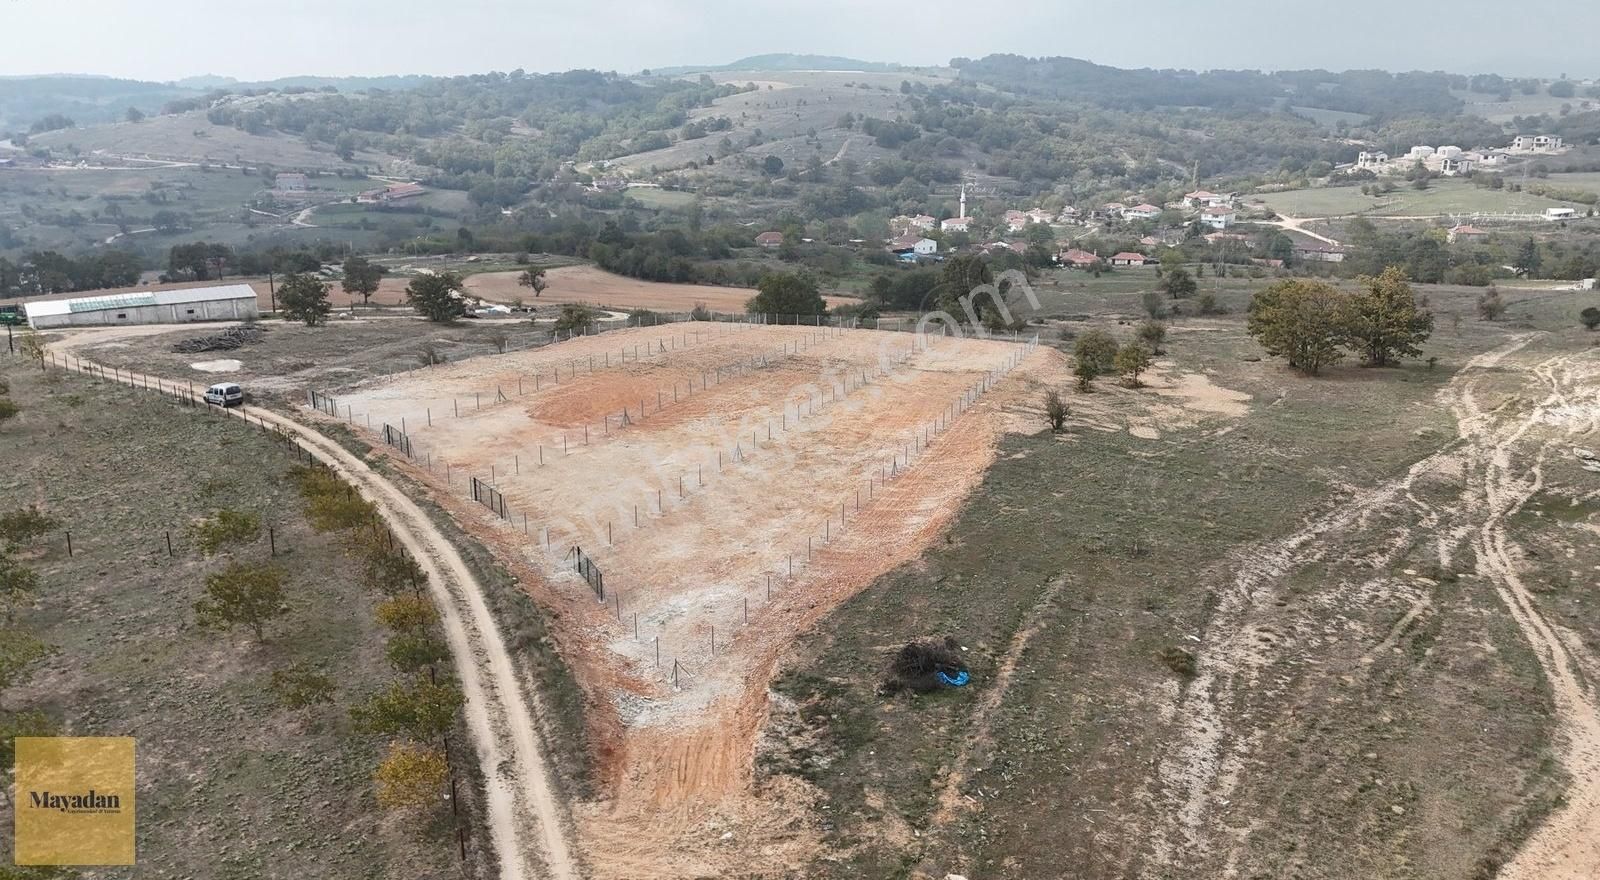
230	302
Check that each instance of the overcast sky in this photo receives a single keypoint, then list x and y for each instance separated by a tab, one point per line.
170	39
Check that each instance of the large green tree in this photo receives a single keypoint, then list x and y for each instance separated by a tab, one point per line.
437	297
786	293
1304	322
1178	283
361	277
1384	323
304	298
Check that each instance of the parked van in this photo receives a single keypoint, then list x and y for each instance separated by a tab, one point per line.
225	394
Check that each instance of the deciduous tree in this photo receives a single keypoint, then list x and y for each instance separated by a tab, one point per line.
304	298
1384	321
243	594
412	776
1178	283
437	297
1131	360
422	710
1301	321
533	277
786	293
361	277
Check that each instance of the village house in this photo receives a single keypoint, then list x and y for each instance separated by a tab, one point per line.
1040	215
1373	161
1077	259
290	182
1113	209
1319	252
770	239
1465	234
1145	211
924	221
1218	218
956	224
610	184
1556	215
1541	143
1016	220
1205	199
1128	258
1068	214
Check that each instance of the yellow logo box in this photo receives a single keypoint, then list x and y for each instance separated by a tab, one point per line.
74	800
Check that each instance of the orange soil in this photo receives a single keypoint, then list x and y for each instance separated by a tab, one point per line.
677	762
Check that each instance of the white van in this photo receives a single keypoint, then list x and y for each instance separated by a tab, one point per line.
225	394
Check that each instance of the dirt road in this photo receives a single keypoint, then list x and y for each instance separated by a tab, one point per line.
527	825
1500	450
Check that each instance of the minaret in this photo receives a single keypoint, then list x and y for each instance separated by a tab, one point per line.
963	201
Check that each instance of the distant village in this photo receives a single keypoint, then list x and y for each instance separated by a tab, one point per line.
923	237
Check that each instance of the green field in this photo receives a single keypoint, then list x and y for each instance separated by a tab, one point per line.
1443	197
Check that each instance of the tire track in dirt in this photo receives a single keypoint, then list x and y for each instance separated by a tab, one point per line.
518	792
1214	745
949	796
1567	845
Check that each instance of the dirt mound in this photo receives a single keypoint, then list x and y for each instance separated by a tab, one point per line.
927	665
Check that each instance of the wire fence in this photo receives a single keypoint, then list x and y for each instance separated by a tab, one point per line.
398	439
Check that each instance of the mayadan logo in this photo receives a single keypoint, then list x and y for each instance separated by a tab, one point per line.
90	801
75	801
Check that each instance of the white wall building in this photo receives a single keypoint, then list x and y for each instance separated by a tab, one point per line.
230	302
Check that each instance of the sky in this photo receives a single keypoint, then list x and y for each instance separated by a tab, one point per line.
171	39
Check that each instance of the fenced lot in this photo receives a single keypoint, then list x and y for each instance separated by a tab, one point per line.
699	465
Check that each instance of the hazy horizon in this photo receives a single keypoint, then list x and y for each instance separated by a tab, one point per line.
474	36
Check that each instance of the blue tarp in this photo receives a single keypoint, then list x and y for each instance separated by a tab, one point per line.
957	680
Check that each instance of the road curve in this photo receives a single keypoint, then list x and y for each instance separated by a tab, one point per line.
527	826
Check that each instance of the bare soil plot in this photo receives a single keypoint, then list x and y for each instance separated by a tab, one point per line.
597	287
748	471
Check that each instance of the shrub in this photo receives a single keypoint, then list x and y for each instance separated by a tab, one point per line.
223	528
25	525
1055	411
300	686
1180	661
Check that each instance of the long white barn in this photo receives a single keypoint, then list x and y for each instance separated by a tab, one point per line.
228	302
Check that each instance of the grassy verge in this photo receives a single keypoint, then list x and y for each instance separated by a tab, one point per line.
230	783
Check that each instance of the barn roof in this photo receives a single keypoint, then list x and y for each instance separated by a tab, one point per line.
139	298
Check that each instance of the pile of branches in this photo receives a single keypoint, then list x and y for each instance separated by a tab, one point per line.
917	665
226	340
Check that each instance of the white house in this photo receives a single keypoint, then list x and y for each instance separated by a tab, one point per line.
1555	215
1040	215
1205	199
956	224
1142	212
924	221
1218	218
1372	161
925	247
1016	220
1542	143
